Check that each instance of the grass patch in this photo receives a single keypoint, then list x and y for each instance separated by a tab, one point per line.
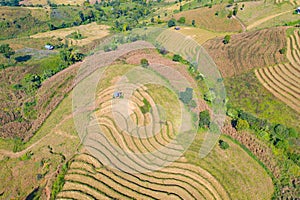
146	107
246	93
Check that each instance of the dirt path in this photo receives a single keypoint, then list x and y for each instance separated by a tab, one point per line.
244	28
260	21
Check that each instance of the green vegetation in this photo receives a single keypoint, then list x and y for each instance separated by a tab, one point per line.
177	58
186	96
193	22
246	93
241	124
26	156
226	39
29	110
146	107
172	22
59	182
204	119
283	50
6	50
76	35
144	62
223	145
181	20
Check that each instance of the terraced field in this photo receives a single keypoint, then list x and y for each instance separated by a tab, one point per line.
90	32
293	2
283	80
140	129
128	160
89	177
205	18
247	51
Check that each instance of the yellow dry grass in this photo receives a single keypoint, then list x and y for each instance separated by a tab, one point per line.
44	2
91	32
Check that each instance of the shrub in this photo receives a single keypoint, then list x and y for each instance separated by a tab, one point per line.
171	23
230	14
146	107
223	145
283	50
186	96
6	50
181	20
242	124
226	39
144	62
177	58
204	119
193	23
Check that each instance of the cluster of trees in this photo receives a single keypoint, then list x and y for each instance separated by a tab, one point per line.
23	25
60	181
70	56
9	3
6	50
277	134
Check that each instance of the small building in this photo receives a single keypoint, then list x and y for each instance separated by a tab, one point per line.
117	95
177	28
298	10
49	47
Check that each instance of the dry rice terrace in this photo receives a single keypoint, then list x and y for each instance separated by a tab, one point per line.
247	51
283	80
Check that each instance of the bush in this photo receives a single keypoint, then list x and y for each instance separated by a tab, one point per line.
223	145
226	39
144	62
181	20
204	119
171	23
186	96
6	50
177	58
283	50
242	124
193	22
146	107
163	50
230	14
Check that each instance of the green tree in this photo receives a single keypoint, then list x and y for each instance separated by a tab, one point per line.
235	10
226	39
193	23
230	14
171	23
223	145
6	50
242	125
177	58
181	20
204	119
144	62
283	50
